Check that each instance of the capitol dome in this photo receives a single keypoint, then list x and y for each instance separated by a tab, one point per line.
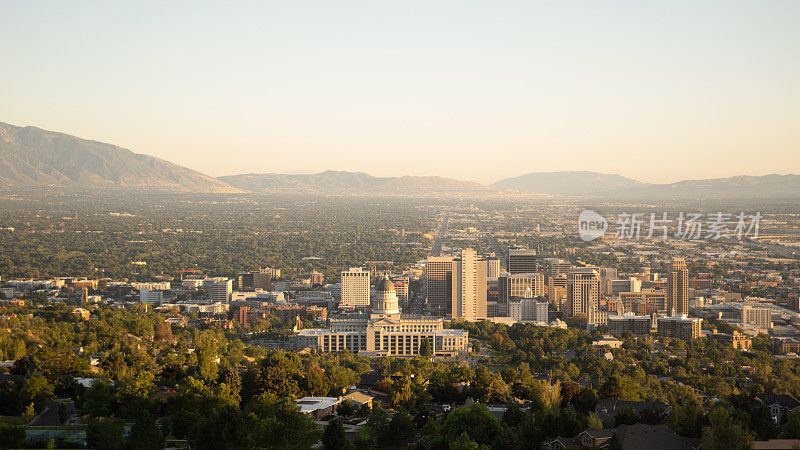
385	301
385	285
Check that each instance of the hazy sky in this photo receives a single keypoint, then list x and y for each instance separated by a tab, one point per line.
658	91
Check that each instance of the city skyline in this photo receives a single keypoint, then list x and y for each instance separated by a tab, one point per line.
693	92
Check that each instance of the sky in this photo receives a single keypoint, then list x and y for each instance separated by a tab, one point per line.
657	91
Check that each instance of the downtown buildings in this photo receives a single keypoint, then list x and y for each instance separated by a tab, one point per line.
456	286
384	331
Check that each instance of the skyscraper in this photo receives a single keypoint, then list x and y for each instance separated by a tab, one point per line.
492	267
522	261
470	301
355	288
439	283
583	291
457	286
678	288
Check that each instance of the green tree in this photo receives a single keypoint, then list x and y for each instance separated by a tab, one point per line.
792	428
725	432
425	349
105	433
11	436
334	437
38	390
475	420
145	434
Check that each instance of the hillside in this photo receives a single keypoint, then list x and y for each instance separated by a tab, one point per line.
31	156
346	183
591	184
571	183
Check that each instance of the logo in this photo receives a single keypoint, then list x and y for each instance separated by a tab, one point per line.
591	225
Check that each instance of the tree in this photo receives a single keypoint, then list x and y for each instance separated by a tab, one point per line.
725	432
334	437
425	349
400	430
11	436
145	434
463	442
475	420
793	425
207	358
513	415
105	433
278	423
38	390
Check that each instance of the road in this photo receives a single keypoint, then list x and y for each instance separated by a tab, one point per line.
493	243
436	248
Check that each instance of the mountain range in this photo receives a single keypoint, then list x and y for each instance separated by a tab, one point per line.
32	157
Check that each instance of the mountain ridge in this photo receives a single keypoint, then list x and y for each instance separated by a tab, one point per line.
342	182
31	156
594	184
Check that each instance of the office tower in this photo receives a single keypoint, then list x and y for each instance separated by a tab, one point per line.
606	275
355	288
470	301
522	261
244	282
401	288
439	284
583	291
509	286
492	267
678	288
263	281
317	278
557	266
557	291
220	289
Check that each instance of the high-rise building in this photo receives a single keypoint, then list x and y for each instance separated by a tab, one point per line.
355	288
492	267
678	288
263	281
557	266
583	291
220	288
606	275
522	261
317	278
401	288
470	301
244	282
457	286
439	284
515	285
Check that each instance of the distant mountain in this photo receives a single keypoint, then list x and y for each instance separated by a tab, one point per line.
743	186
592	184
351	183
567	183
31	156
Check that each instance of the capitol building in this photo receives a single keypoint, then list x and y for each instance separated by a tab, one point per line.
384	331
